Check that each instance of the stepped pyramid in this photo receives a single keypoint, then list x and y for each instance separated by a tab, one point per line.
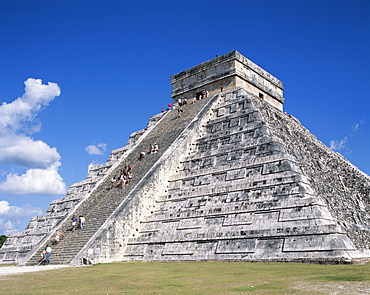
235	179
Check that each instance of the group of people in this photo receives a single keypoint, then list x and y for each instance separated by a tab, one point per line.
153	149
45	254
203	94
123	178
184	101
81	220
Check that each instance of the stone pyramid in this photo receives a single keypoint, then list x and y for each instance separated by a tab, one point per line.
235	179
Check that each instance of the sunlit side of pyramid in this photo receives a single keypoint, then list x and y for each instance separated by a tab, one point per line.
235	178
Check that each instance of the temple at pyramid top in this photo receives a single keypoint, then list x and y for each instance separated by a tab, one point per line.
229	70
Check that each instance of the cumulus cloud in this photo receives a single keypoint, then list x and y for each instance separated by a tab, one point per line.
17	121
9	216
18	114
98	149
7	227
17	148
14	211
23	151
35	181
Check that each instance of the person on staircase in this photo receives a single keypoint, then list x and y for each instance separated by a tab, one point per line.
179	111
113	182
74	223
82	222
141	156
43	257
58	236
126	171
151	149
129	177
123	180
48	253
156	148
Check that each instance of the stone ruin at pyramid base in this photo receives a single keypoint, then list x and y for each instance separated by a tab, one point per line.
234	179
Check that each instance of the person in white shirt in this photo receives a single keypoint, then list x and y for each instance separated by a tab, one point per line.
82	222
48	253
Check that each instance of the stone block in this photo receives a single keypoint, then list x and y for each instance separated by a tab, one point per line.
238	219
184	248
317	243
190	223
304	213
235	174
136	250
236	246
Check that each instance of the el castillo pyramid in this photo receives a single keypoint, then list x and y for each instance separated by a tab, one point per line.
235	179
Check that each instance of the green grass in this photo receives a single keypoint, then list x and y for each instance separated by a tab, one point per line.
191	278
4	265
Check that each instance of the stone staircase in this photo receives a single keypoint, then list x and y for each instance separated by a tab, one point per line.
102	202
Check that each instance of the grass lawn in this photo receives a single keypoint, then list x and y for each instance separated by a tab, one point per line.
194	278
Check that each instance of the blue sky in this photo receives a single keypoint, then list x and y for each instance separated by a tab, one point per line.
95	71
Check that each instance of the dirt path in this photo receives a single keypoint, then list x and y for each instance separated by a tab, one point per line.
334	288
11	270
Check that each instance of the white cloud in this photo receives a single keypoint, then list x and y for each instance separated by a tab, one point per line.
10	215
355	127
14	116
18	119
14	211
35	181
337	145
23	151
92	164
17	122
98	149
6	226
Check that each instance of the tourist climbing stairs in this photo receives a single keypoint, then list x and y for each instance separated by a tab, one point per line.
103	201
